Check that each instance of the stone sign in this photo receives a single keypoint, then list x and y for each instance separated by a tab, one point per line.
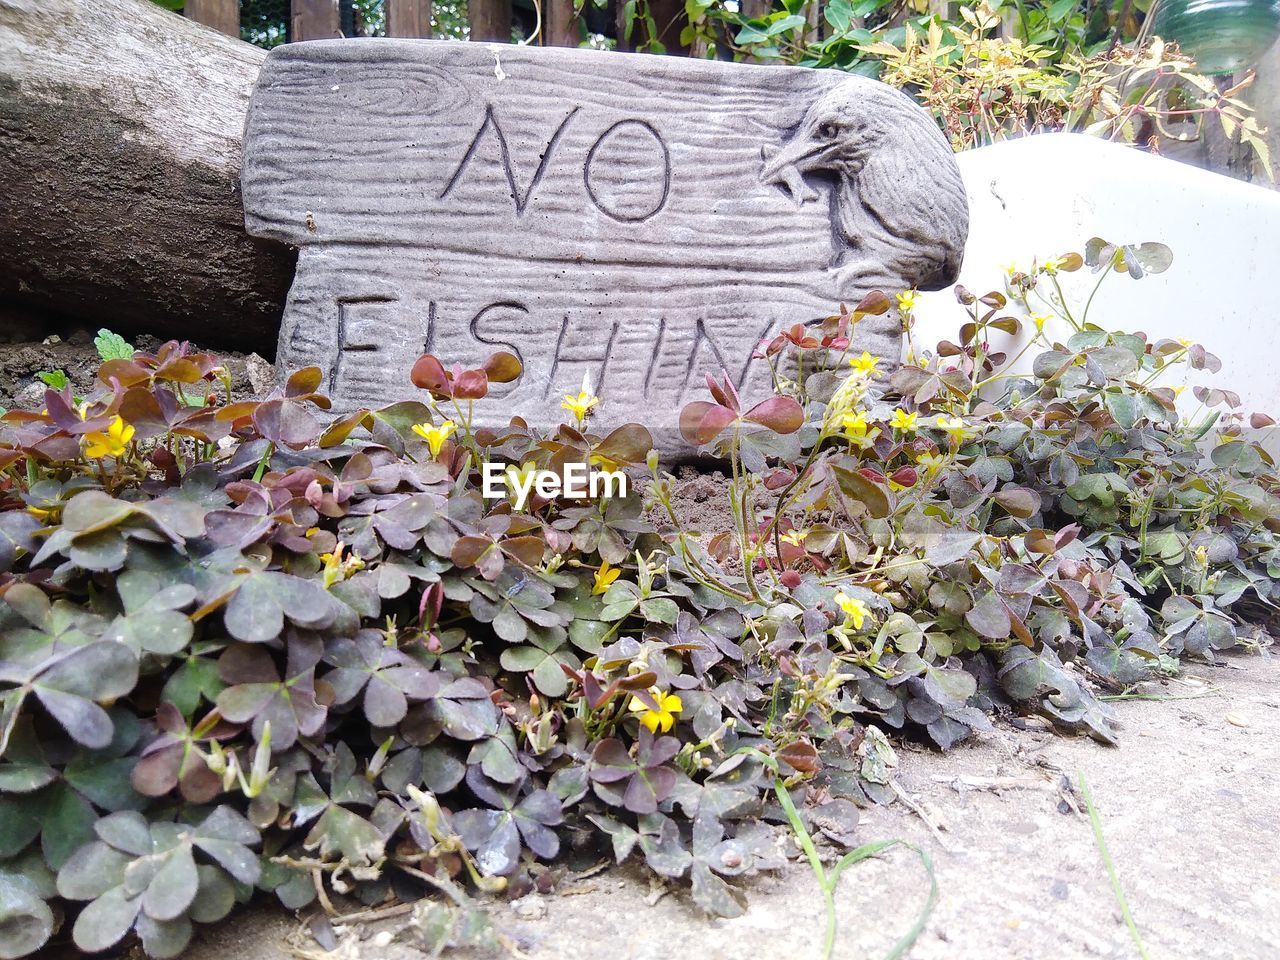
639	220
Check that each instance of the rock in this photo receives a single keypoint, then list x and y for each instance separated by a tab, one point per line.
637	220
531	907
260	373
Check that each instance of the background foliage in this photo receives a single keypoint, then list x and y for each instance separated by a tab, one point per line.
986	72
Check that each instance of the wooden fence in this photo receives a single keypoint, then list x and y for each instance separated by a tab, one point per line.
487	19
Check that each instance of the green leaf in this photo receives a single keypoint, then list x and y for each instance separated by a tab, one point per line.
660	610
92	511
195	679
127	832
1124	407
989	617
342	834
112	346
24	768
256	613
1237	455
861	490
19	824
173	887
67	821
104	922
164	939
215	898
26	922
68	689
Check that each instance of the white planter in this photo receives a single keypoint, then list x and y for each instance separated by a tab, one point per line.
1043	196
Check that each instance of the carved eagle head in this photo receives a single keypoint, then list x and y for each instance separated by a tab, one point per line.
837	135
897	196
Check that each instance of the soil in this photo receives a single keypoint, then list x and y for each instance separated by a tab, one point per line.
24	354
1187	808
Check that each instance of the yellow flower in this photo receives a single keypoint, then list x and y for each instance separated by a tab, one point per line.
664	717
903	421
582	403
337	567
1202	555
1052	265
1040	319
955	428
600	460
906	301
1186	342
931	462
855	611
857	431
795	537
847	396
435	436
111	443
1010	268
604	577
520	478
1177	391
865	364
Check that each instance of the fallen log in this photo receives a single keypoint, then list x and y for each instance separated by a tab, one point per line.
120	137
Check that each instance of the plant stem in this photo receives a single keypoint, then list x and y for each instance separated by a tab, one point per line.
1096	822
263	461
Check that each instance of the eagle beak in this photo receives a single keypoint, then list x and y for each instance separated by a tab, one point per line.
784	166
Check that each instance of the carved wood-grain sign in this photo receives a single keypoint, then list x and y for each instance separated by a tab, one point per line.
638	219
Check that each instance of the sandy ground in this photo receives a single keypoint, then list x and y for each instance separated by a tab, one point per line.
1187	805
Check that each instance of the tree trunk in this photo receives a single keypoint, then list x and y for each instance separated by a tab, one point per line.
120	136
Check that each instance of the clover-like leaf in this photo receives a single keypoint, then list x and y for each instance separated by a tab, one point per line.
543	658
462	709
713	855
516	600
257	694
24	768
388	677
152	621
341	833
176	758
262	600
68	682
17	537
145	874
638	783
26	921
495	835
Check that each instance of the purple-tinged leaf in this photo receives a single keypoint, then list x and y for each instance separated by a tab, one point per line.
779	414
